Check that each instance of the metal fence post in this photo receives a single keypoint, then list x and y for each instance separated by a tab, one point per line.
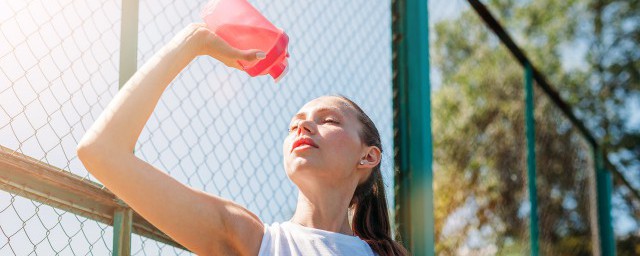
123	218
604	189
128	40
412	121
122	221
530	130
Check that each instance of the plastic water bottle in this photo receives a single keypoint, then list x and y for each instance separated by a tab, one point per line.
239	24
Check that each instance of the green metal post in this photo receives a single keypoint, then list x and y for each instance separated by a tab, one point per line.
412	103
122	221
604	186
530	130
128	40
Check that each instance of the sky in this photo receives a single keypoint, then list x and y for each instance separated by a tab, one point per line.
214	129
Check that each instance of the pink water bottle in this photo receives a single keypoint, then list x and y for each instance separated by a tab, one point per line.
239	24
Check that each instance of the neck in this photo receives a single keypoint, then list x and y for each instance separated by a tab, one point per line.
326	210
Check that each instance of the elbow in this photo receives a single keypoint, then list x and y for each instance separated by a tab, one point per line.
93	157
91	151
86	151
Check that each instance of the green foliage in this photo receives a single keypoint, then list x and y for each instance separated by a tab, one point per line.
478	125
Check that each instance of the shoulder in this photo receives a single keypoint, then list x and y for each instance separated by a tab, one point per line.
244	229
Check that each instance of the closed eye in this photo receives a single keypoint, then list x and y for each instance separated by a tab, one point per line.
294	127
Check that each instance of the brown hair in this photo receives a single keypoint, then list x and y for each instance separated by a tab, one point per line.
370	212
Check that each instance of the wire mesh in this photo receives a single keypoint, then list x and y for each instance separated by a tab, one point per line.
566	184
51	52
475	78
57	71
30	227
565	39
624	207
214	129
219	131
480	174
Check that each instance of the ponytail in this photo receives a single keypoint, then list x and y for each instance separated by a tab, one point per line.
369	204
371	216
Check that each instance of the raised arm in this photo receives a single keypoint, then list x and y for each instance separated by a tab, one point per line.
203	223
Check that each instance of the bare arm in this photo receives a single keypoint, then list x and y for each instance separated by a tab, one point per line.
203	223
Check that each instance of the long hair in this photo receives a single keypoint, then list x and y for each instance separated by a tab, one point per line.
369	204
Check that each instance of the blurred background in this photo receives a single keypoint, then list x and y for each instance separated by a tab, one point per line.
218	130
588	50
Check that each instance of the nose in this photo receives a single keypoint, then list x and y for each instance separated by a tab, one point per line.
303	126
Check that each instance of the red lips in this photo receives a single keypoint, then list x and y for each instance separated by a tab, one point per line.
303	141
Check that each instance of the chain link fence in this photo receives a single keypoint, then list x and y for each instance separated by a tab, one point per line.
567	198
220	131
481	196
58	69
214	129
481	180
480	174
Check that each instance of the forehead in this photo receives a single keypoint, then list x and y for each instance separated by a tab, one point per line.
326	104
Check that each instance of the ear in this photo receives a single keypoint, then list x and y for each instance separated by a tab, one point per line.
370	158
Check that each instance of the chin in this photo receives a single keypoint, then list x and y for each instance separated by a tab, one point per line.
301	166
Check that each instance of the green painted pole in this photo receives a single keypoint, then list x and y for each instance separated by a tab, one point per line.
530	130
412	100
123	218
604	189
122	221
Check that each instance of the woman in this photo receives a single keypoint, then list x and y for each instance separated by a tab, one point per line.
332	154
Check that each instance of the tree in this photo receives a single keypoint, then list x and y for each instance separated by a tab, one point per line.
480	174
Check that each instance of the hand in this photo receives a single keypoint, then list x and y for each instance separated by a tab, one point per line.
201	41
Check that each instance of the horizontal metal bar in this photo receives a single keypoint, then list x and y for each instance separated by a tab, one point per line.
27	177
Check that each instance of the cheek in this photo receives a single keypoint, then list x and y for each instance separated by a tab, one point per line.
343	145
286	145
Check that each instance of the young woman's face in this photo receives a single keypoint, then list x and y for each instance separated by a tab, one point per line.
323	143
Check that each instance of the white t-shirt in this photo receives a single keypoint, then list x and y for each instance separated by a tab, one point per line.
288	238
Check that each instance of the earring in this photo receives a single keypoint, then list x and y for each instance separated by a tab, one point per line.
361	162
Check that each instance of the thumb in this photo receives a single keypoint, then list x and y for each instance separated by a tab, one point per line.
252	55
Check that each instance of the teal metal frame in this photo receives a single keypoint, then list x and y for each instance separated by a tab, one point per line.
604	188
602	175
530	130
412	122
122	222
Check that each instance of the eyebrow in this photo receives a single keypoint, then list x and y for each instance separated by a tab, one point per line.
319	110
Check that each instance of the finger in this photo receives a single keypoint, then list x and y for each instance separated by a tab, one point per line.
252	55
218	48
248	57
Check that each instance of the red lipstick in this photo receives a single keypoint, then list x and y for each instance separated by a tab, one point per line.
303	141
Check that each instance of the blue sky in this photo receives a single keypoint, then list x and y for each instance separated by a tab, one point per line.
215	129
